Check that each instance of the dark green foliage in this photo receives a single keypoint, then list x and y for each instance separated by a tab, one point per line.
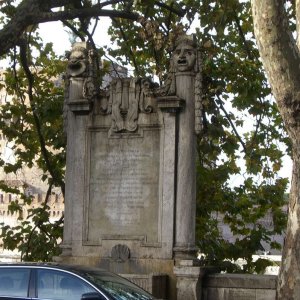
33	126
243	136
36	240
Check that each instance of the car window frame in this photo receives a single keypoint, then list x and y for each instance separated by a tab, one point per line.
35	280
29	284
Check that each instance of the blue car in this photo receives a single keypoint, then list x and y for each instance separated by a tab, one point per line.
49	281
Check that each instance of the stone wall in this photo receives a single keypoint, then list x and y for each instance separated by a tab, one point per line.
215	286
156	284
238	287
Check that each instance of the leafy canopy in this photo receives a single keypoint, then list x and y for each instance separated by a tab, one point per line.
243	134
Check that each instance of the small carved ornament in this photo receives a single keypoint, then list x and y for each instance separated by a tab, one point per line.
78	61
128	97
120	253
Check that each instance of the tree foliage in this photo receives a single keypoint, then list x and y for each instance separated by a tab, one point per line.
32	124
243	133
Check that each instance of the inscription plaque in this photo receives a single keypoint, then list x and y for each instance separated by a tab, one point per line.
123	187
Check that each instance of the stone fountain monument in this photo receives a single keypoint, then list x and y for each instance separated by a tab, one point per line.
130	176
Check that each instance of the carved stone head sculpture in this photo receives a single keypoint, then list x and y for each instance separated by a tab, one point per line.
78	61
185	54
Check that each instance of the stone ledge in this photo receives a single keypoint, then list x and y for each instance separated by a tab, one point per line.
170	103
80	106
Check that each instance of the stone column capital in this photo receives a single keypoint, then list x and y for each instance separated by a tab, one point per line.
172	104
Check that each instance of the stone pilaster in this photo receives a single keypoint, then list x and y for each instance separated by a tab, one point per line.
186	168
80	94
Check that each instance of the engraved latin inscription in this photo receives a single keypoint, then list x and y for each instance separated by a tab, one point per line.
123	189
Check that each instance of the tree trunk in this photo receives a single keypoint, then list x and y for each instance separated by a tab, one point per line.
281	60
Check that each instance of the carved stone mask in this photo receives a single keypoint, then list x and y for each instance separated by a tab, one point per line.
77	62
184	57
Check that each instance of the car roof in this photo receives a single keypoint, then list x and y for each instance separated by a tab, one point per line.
75	269
54	265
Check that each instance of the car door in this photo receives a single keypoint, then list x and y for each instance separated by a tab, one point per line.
14	283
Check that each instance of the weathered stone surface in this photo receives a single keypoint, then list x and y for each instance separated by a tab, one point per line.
239	287
266	294
188	282
241	281
120	183
238	294
123	187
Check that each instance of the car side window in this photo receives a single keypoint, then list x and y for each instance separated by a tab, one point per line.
56	285
14	282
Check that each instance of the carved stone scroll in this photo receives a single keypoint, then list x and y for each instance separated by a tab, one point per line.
127	98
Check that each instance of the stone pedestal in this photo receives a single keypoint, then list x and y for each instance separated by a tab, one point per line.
188	280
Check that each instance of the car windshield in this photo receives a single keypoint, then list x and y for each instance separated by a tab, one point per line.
118	287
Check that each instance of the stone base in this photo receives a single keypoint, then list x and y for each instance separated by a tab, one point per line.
188	281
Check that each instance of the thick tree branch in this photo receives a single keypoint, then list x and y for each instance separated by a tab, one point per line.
28	244
171	8
30	78
242	36
74	30
94	11
31	12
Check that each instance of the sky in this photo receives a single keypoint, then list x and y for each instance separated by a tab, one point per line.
55	33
